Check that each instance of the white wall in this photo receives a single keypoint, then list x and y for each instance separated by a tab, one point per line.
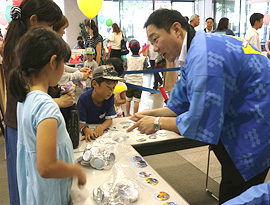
75	17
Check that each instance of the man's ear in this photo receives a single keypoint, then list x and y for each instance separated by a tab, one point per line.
33	20
53	62
176	28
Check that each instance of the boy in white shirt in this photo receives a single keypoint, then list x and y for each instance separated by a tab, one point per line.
252	36
89	63
131	63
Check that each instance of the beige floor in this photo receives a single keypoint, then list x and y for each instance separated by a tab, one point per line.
197	156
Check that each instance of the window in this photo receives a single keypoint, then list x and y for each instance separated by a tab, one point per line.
185	8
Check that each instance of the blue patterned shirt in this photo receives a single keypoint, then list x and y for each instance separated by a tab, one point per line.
255	195
224	94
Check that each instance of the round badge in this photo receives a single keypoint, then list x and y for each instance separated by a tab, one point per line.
141	139
94	150
153	137
140	164
86	155
170	203
162	133
144	174
97	163
161	196
151	181
136	159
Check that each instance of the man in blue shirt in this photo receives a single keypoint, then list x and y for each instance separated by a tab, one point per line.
96	106
222	98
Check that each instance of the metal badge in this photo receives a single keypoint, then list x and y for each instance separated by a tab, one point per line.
97	162
86	155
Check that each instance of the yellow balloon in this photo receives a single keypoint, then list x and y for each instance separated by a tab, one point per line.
90	8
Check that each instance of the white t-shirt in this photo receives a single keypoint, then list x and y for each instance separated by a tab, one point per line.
152	54
92	65
123	88
135	63
252	36
116	40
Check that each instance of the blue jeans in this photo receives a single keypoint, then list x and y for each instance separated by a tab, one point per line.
11	137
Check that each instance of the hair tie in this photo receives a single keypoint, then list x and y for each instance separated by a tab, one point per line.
15	13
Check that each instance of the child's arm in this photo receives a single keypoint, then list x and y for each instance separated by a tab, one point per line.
98	47
70	69
65	100
145	64
122	99
47	164
100	129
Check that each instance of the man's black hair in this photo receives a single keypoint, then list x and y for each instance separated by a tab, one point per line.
165	18
255	17
209	18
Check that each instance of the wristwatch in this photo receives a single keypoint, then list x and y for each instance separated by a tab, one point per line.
156	124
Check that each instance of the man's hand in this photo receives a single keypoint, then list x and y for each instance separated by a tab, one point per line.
89	134
145	124
139	115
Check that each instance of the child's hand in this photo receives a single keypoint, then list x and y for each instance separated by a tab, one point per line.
85	76
99	131
81	176
89	134
85	69
66	101
90	72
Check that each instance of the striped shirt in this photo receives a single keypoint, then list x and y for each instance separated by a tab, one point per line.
93	41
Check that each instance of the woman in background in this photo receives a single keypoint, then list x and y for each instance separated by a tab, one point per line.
94	39
223	27
115	40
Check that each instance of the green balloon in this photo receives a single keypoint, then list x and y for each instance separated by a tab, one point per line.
7	13
123	57
109	22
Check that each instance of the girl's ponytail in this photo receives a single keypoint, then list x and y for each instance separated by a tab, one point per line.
18	84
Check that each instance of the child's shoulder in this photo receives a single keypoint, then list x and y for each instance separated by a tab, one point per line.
86	94
137	58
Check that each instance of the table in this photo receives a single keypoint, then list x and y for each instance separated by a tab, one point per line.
166	141
96	178
163	141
